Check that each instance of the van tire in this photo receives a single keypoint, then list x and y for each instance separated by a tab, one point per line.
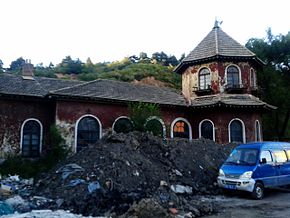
258	192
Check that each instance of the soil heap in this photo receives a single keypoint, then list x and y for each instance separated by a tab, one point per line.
124	172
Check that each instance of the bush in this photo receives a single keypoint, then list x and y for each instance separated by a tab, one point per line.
28	168
140	112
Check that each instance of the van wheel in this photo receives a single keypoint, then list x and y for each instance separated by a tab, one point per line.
258	192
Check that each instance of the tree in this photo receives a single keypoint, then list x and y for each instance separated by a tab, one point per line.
89	67
70	66
16	65
274	81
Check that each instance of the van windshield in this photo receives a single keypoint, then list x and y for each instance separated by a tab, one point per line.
243	156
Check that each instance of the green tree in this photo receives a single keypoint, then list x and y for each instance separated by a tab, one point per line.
70	66
16	65
274	81
140	112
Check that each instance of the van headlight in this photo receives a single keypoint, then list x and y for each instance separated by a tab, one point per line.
221	172
246	175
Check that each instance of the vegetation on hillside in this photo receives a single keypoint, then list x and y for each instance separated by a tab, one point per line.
159	65
274	82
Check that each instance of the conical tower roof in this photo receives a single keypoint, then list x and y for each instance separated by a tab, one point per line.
216	45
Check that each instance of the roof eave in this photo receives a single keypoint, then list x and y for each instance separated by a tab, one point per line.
181	66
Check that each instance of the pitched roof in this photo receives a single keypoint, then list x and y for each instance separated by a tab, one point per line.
123	91
110	90
28	86
235	100
217	44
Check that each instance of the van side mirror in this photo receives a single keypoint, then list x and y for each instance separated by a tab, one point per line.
263	161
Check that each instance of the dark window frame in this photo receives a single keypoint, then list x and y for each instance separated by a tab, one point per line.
203	130
233	77
31	139
86	134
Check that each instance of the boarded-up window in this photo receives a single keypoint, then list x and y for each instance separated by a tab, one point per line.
181	130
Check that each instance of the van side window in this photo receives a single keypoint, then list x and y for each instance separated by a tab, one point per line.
280	156
288	154
267	155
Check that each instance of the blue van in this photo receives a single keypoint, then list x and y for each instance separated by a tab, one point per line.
254	166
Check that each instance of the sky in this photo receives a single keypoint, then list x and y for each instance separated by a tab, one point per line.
46	31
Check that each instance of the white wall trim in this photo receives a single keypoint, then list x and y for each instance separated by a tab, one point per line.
243	129
258	133
182	119
199	128
76	129
40	137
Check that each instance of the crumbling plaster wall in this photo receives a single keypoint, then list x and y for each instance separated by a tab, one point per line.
13	113
218	81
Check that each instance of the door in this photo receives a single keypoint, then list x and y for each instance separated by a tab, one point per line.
267	172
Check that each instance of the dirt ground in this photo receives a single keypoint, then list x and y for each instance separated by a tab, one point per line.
275	204
127	174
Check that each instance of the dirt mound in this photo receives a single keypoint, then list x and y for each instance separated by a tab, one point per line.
108	177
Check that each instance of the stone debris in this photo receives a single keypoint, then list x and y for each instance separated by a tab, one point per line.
134	175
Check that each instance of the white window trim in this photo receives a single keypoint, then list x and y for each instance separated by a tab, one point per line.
182	119
76	129
41	133
210	75
240	74
161	121
199	128
120	117
243	128
257	121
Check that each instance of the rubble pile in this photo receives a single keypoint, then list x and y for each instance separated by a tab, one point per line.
124	173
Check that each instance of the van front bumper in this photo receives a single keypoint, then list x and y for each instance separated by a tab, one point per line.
236	184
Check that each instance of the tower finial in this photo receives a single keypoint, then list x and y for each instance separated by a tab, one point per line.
217	23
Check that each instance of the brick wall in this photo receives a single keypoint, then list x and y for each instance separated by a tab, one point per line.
12	115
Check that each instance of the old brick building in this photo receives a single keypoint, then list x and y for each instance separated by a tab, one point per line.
217	102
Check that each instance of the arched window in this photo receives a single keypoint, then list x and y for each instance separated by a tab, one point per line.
88	131
257	131
253	82
233	77
204	79
156	126
122	124
181	128
206	130
31	138
237	131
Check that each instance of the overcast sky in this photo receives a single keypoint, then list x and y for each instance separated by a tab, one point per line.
108	30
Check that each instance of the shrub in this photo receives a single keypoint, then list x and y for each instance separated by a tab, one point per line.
140	112
27	168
